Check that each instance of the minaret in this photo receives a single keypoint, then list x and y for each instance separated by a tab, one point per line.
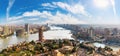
41	34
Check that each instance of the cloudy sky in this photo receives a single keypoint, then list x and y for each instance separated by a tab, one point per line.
60	11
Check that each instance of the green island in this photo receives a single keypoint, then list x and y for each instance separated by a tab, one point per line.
57	48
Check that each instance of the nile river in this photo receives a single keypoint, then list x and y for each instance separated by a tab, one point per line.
54	33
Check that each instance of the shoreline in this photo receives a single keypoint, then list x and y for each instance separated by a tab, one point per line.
113	46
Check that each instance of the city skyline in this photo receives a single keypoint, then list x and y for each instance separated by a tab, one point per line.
60	12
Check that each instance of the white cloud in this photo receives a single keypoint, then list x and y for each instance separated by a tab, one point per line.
75	9
113	5
47	8
33	13
15	18
48	5
11	2
33	19
59	18
36	13
63	19
16	21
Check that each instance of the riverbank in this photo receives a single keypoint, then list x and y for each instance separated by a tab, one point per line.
102	45
5	36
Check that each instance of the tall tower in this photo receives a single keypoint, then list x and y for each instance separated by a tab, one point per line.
27	28
90	31
41	34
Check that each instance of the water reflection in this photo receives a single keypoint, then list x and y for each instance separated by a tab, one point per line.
99	45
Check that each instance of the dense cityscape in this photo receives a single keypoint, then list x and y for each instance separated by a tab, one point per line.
106	33
61	47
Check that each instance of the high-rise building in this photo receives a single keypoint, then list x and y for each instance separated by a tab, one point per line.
20	32
115	31
41	34
90	32
6	30
27	28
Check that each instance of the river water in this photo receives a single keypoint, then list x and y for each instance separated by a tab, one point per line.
54	33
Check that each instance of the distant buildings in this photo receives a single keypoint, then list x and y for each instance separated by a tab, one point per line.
107	31
20	33
27	28
23	32
91	32
1	29
115	31
41	34
6	30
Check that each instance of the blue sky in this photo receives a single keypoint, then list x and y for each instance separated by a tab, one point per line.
60	11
